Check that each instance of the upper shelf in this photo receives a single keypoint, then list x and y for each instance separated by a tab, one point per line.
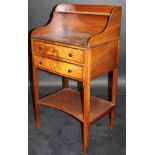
81	25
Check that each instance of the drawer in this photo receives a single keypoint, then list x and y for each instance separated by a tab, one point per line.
59	67
58	51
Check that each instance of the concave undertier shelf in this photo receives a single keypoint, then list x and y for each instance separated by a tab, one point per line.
70	101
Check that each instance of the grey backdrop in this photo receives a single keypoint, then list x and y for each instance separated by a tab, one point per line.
39	14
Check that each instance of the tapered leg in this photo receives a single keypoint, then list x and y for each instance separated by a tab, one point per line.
86	109
65	82
36	96
86	115
114	94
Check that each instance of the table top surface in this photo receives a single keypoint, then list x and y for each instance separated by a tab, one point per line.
68	37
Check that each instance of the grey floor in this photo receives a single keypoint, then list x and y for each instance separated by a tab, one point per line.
61	134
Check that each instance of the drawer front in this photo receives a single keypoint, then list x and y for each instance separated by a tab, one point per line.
58	51
59	67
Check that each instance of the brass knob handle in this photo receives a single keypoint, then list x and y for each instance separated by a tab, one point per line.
70	54
69	70
40	62
40	48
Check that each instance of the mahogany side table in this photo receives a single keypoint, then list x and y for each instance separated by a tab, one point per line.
82	43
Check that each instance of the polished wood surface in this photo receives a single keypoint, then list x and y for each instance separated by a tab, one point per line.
111	32
103	58
88	28
81	42
78	38
36	95
86	113
78	22
61	68
114	94
69	100
85	9
68	53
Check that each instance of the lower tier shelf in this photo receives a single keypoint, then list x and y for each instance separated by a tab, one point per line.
70	101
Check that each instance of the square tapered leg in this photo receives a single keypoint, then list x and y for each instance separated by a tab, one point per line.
36	96
114	95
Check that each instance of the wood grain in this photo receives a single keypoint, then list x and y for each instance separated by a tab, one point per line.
85	9
70	101
86	84
36	95
77	39
58	51
58	67
104	59
111	32
82	25
57	43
